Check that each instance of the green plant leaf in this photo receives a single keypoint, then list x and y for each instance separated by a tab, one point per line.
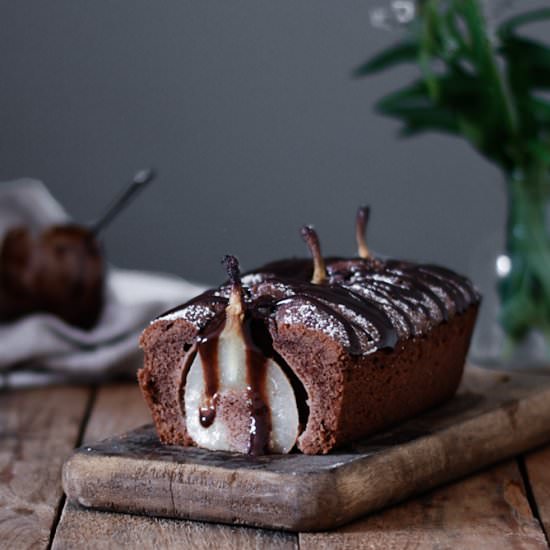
414	107
528	63
529	51
402	52
527	70
462	108
485	59
459	92
433	119
511	25
453	26
541	150
472	132
540	108
414	96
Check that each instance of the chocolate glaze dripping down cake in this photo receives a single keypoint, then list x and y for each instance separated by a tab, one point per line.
307	353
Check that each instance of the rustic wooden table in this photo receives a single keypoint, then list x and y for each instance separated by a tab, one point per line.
506	506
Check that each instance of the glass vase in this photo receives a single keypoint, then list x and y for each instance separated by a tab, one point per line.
513	329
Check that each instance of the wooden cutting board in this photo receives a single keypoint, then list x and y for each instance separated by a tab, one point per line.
494	416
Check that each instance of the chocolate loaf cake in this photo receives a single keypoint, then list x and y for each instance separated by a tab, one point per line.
307	354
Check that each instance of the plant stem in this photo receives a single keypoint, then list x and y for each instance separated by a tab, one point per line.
525	290
486	54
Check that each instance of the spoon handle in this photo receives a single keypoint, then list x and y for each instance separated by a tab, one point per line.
139	182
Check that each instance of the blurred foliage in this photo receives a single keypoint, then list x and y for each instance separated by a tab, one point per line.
491	87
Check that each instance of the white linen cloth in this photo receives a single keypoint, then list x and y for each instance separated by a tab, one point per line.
41	348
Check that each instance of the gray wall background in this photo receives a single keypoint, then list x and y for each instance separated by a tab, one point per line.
248	111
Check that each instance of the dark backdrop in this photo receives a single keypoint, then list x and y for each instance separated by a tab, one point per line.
249	112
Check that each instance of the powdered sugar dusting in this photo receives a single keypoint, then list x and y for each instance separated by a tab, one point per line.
197	314
252	279
298	312
360	322
396	316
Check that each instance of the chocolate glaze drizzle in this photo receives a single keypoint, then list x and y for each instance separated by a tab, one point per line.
208	350
260	414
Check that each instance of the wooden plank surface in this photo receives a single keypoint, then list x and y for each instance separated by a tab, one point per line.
494	417
538	469
119	408
83	529
38	431
486	510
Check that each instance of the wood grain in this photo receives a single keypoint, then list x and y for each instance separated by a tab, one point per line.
101	530
538	470
38	430
487	510
118	408
492	418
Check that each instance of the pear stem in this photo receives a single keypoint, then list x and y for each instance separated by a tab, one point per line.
363	214
140	180
312	240
235	307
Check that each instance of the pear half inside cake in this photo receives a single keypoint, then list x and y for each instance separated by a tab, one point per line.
235	426
236	398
